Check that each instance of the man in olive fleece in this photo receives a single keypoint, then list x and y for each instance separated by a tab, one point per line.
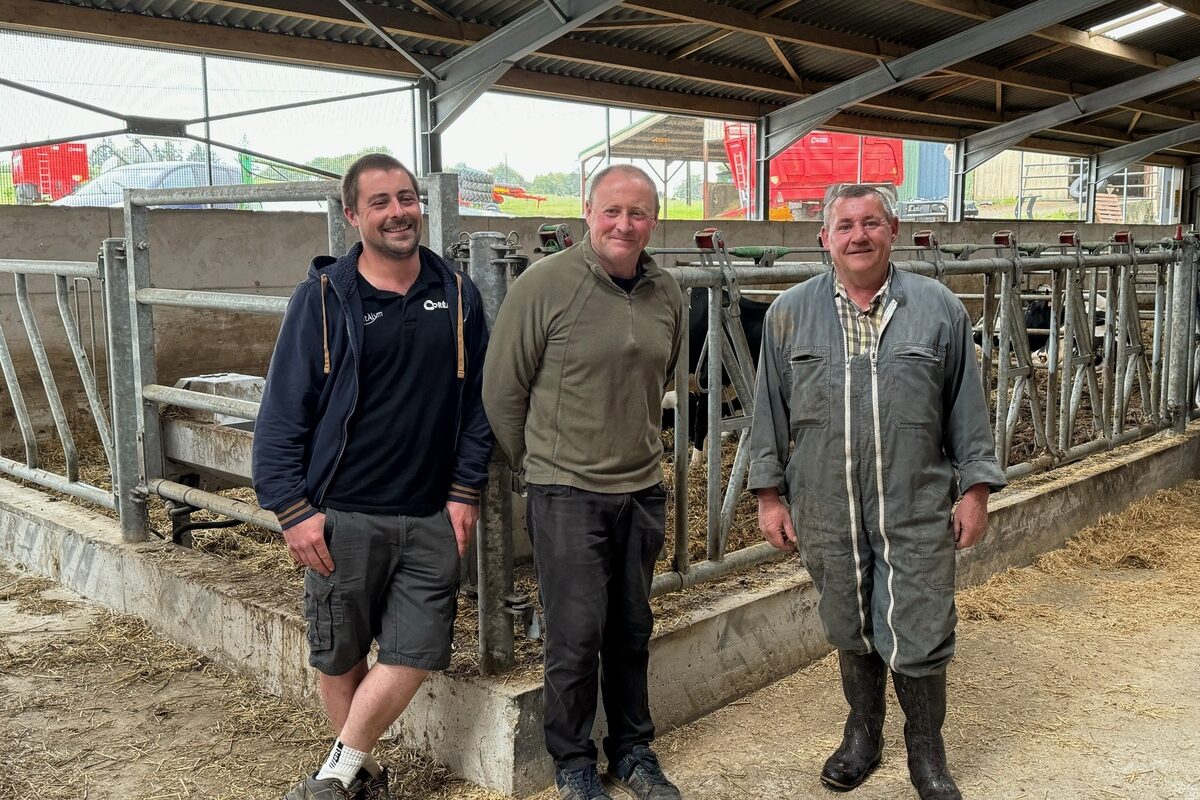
582	349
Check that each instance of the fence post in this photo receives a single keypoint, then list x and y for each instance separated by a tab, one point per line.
442	205
335	220
141	330
1182	337
494	536
122	387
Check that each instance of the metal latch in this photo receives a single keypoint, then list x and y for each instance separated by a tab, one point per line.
519	605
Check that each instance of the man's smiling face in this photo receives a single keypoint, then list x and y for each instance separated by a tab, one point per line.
388	216
859	237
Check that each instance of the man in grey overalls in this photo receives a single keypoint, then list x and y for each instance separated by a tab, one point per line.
871	373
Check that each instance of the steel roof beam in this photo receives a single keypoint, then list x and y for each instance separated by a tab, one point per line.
875	49
361	15
465	76
1113	161
986	145
788	124
1061	34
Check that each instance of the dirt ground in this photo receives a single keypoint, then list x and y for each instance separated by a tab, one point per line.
1075	679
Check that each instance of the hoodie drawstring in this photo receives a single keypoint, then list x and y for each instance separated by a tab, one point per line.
462	367
325	319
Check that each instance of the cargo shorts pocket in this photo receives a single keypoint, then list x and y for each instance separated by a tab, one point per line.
322	609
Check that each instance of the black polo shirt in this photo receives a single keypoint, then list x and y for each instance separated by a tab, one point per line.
399	455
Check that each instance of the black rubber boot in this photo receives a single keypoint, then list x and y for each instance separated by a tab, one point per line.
863	681
924	703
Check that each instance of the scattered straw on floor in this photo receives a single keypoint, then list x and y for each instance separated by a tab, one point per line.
117	693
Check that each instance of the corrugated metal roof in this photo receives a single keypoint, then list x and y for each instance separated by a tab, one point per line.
631	32
888	20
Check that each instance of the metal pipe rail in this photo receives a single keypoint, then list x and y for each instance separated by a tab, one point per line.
214	301
218	504
702	571
200	401
236	193
67	269
59	483
694	274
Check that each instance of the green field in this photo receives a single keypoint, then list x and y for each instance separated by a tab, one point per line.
572	207
8	195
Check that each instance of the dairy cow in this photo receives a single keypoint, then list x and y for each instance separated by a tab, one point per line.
752	313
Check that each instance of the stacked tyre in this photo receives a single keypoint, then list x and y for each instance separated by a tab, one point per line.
475	186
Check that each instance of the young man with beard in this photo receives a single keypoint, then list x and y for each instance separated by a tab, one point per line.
582	349
871	373
371	447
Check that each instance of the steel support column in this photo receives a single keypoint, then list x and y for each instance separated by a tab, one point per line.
429	142
760	199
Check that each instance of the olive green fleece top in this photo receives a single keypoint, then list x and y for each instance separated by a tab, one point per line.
575	371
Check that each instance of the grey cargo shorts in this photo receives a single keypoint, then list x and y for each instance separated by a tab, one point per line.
395	580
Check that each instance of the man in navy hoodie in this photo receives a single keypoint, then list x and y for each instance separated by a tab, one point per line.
371	447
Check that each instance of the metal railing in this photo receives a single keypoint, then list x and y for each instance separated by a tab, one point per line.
31	469
1043	398
1146	381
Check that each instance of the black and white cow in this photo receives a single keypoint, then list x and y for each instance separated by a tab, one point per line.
752	313
1037	318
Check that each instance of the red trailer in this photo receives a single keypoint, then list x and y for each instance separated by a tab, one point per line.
800	174
43	174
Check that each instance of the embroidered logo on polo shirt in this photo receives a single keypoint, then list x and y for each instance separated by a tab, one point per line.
431	305
371	317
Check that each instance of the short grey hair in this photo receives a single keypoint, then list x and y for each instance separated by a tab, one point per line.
629	169
850	190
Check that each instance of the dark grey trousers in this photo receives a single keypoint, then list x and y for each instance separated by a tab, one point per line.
595	558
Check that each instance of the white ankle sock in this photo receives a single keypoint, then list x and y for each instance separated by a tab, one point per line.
343	764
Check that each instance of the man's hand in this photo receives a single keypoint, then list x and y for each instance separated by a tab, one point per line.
970	517
463	518
775	520
306	543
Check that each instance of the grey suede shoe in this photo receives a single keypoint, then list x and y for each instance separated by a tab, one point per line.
329	789
373	787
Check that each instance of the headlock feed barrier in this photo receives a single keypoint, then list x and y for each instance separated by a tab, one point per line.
1120	364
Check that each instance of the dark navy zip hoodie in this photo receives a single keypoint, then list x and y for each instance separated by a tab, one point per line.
312	388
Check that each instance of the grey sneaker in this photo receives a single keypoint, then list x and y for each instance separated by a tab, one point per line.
638	774
580	784
329	789
373	787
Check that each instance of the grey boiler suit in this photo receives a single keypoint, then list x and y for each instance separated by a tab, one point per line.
879	438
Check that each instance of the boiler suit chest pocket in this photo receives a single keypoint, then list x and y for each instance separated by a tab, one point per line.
808	373
915	384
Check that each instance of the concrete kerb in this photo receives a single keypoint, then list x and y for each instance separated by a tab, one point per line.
489	731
